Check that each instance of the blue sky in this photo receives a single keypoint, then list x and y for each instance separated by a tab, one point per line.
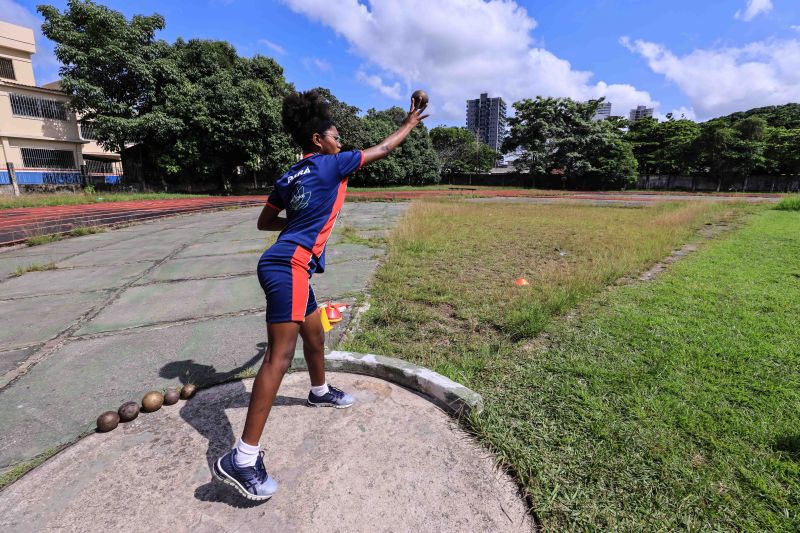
700	58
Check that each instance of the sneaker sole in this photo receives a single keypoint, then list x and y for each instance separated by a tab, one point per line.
309	404
220	474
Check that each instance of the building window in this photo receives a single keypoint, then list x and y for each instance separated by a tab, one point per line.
41	158
7	69
87	131
31	106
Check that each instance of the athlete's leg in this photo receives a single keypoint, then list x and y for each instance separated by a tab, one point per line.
314	347
282	340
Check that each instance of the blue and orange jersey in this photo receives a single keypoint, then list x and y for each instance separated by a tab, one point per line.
312	193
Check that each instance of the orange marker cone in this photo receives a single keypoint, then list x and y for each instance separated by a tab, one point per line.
333	314
521	282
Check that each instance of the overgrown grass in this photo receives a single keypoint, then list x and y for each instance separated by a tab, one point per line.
45	200
789	203
34	267
38	240
667	405
86	230
351	235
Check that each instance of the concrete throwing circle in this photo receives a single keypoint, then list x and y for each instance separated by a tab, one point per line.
392	462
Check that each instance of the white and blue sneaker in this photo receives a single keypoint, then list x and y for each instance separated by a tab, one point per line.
333	398
253	482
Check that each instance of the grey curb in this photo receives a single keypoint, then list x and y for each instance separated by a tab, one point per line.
455	398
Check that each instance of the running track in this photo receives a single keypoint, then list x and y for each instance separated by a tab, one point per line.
17	225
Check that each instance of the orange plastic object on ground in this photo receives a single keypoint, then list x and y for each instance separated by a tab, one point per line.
521	281
333	314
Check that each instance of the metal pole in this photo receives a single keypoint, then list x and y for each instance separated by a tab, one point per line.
12	176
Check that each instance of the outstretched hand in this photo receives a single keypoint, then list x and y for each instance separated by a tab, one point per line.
415	115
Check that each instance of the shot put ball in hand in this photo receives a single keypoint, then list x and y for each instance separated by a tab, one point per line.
420	98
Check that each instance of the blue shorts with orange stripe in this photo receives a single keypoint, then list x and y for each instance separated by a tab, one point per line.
284	272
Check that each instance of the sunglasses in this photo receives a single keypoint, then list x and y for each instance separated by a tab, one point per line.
337	138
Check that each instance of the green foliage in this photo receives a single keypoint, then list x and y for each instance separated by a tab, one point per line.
776	116
559	134
457	150
413	163
789	203
192	109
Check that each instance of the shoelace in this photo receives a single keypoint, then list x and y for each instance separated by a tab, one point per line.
261	470
337	393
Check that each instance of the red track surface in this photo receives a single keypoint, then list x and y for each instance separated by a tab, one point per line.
17	225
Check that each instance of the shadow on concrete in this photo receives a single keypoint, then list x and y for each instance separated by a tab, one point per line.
209	418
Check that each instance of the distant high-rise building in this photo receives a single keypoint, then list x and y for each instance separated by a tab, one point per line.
486	118
640	112
603	111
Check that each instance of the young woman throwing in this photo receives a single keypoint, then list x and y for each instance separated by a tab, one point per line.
311	192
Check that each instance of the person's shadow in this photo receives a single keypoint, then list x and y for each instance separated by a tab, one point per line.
208	417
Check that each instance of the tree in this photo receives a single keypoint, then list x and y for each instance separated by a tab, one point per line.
185	113
752	131
716	147
458	150
412	163
231	111
113	70
559	134
782	155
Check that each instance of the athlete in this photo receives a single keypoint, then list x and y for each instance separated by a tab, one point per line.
311	192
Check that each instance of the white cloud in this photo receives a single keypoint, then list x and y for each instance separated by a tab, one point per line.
278	49
724	80
317	63
44	60
374	81
457	49
795	28
753	9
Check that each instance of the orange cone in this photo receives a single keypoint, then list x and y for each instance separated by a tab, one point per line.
333	314
521	282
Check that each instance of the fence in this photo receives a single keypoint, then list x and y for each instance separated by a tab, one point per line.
674	183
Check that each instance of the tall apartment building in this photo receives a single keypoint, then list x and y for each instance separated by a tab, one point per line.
486	118
640	112
603	111
39	135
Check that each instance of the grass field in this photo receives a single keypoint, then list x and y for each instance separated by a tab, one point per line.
672	404
46	200
789	203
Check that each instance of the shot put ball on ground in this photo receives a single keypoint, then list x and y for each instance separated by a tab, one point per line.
107	421
171	397
152	401
128	411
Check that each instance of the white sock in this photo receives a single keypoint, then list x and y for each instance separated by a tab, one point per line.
246	455
322	390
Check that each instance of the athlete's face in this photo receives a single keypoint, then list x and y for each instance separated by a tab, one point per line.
328	142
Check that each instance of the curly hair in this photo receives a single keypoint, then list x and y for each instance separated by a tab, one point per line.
305	114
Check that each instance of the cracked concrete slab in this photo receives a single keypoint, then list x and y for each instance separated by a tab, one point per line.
187	268
226	248
37	319
11	360
171	302
392	462
71	280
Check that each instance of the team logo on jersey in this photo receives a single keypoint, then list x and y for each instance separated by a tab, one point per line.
300	198
296	175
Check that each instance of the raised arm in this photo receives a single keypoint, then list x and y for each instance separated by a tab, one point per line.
385	147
